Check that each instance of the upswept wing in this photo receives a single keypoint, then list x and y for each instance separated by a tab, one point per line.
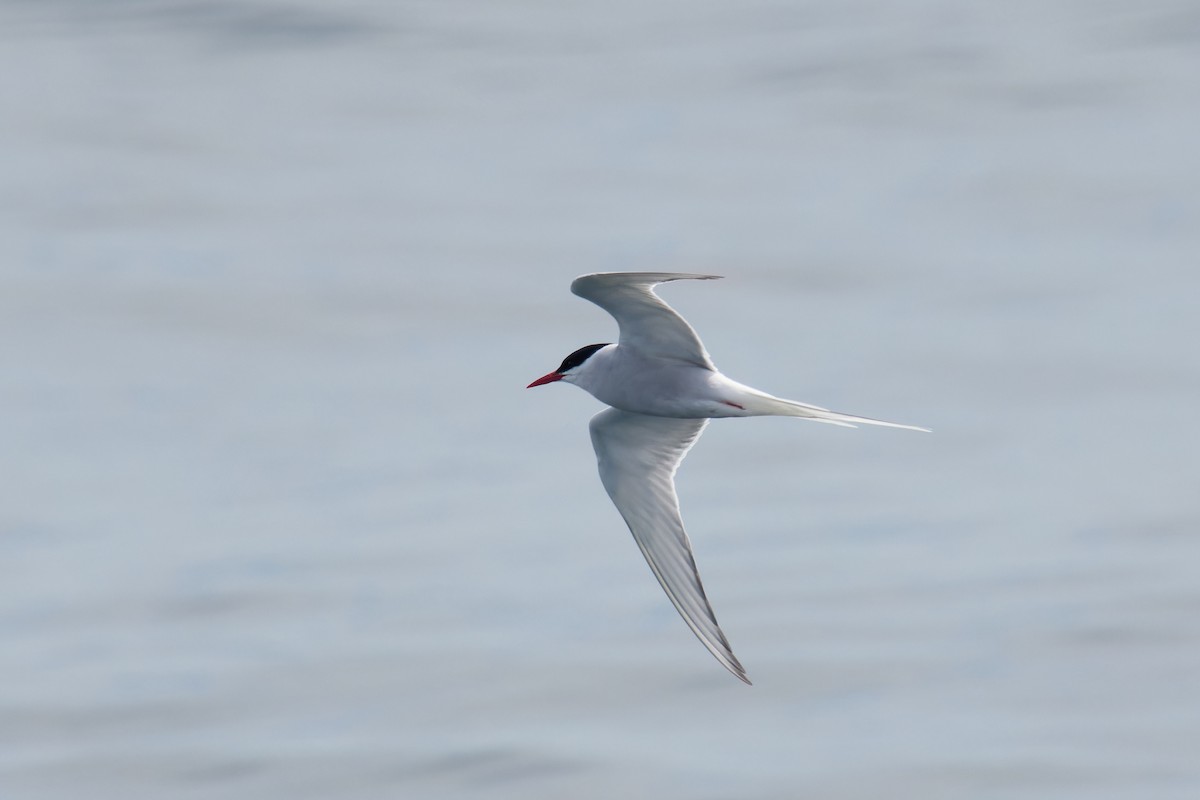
638	456
647	323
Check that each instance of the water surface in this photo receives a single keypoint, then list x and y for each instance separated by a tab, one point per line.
279	519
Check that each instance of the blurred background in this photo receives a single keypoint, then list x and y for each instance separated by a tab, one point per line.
279	519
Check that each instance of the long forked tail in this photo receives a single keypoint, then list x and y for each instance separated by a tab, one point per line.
764	403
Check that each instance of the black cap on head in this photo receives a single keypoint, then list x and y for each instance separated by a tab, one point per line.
579	356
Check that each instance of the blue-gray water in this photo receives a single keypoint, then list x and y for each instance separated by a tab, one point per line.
279	519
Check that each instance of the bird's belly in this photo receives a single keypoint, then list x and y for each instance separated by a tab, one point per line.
687	393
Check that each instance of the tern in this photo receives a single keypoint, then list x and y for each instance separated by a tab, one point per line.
662	389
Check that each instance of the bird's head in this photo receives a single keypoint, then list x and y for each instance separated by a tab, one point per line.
571	366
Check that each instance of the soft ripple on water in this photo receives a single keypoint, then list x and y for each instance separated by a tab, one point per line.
280	520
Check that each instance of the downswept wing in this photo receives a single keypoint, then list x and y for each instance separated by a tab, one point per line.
638	456
647	323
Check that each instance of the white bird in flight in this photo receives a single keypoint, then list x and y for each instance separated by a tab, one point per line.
663	388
